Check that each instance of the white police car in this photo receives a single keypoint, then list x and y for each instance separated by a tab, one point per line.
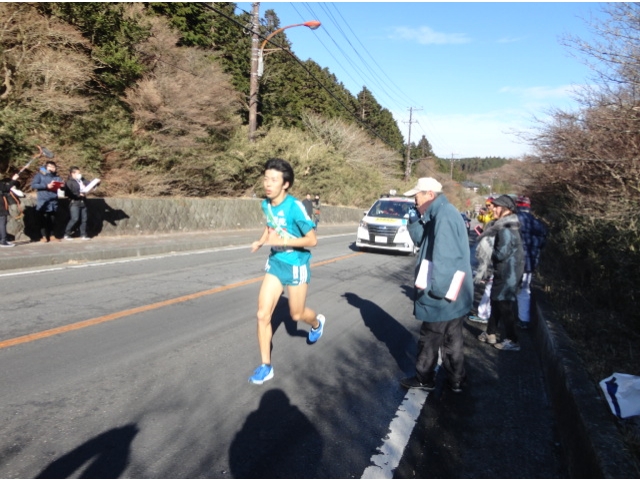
384	226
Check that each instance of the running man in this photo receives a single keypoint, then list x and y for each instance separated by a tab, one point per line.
289	230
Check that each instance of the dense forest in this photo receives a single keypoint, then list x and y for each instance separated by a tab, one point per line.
153	98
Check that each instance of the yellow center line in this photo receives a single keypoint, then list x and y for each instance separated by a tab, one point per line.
144	308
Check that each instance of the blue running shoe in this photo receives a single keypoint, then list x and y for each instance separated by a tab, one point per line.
477	319
261	374
316	333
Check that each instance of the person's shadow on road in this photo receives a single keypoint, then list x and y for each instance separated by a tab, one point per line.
386	329
107	454
281	315
276	441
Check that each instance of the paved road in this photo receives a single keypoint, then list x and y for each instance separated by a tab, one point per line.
161	392
164	392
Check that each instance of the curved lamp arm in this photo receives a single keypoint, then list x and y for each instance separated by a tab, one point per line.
312	24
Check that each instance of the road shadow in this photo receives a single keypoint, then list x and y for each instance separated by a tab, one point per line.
276	441
281	316
29	223
409	291
107	456
99	212
386	329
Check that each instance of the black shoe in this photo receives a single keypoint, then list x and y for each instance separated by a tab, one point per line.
4	243
413	382
455	387
524	325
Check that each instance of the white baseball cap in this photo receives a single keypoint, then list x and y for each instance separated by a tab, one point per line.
425	184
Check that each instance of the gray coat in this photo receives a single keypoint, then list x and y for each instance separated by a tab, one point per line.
443	239
507	259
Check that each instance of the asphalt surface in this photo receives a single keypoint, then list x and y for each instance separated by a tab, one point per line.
501	426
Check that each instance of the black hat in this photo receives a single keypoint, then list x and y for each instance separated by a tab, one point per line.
505	201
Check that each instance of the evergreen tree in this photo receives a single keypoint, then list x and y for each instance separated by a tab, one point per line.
379	119
195	23
424	148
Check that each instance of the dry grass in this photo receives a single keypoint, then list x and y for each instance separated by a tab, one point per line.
605	340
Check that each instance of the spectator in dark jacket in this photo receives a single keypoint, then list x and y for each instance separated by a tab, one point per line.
507	259
47	185
5	189
316	210
74	189
436	227
534	235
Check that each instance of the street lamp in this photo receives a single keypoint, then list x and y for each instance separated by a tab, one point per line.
312	24
257	63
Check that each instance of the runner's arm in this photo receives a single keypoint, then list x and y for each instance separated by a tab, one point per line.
258	243
309	240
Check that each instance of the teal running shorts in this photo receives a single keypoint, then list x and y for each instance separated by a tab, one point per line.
288	274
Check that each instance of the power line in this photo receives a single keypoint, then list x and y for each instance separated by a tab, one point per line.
387	90
377	79
370	56
325	47
376	134
158	58
369	79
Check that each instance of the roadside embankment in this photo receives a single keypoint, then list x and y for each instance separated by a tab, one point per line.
592	444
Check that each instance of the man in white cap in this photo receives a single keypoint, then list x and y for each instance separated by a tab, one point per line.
437	228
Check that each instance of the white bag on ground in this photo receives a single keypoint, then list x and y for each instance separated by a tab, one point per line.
622	392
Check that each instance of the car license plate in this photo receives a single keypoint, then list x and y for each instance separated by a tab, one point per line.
380	239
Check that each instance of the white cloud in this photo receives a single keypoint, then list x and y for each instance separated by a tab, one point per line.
542	93
427	36
483	135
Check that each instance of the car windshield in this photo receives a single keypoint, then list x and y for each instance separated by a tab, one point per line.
390	209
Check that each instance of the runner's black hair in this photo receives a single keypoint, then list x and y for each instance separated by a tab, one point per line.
281	166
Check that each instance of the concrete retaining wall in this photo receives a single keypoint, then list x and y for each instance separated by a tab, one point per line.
143	216
592	444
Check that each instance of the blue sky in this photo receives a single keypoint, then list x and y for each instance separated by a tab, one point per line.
474	72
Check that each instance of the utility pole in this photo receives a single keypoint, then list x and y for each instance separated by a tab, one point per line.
452	164
254	86
407	170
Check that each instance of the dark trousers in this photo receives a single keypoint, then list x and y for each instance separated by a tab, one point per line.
3	228
47	223
448	337
77	211
503	312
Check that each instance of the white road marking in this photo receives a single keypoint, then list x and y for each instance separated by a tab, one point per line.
137	259
114	262
385	462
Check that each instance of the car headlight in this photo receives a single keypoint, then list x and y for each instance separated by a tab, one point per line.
364	224
402	229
